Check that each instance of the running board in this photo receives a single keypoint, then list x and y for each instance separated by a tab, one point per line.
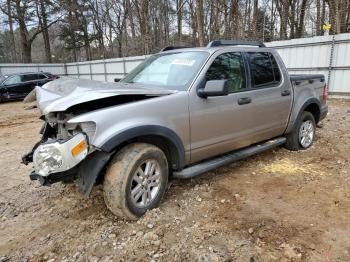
214	163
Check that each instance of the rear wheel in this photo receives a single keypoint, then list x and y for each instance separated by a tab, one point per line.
303	135
136	180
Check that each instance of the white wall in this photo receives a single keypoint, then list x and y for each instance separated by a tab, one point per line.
57	69
301	56
313	56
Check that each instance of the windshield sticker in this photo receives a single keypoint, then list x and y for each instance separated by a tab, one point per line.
185	62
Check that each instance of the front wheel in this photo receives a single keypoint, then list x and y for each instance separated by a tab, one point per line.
302	137
136	180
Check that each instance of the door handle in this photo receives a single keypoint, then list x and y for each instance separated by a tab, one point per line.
244	100
285	93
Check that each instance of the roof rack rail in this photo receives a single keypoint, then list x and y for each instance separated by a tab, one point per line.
168	48
235	42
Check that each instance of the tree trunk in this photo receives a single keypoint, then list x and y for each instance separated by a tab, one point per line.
179	8
72	30
144	25
27	52
318	17
255	20
45	31
301	25
193	22
234	18
26	44
12	35
293	21
86	37
200	22
272	21
323	15
283	10
129	14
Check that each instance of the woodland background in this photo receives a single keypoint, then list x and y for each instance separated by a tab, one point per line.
76	30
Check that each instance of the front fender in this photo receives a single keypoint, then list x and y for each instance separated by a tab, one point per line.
173	141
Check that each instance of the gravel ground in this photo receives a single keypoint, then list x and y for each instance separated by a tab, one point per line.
277	206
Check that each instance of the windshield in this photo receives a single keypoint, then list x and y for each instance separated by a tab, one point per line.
169	70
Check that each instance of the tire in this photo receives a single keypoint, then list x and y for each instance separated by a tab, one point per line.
305	124
127	176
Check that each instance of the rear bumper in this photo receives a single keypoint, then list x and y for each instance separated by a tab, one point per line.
324	112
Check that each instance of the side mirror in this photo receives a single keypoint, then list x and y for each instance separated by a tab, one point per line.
117	79
214	88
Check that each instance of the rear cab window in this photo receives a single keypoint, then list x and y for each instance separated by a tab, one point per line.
264	70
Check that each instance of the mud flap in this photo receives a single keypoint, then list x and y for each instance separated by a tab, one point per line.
90	169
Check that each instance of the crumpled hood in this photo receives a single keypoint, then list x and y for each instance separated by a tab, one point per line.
61	94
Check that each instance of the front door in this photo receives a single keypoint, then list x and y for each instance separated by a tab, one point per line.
216	122
13	87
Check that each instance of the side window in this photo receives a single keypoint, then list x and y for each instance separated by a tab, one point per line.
41	76
29	77
262	71
228	66
13	80
276	70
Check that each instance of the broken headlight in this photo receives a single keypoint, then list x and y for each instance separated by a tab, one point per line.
60	156
47	159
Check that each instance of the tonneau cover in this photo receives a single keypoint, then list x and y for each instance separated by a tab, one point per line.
306	77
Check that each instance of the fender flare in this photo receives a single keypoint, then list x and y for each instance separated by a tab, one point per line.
175	144
302	109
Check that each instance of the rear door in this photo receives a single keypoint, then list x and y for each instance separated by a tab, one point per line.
270	94
30	81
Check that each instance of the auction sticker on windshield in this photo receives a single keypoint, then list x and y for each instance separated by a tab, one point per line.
185	62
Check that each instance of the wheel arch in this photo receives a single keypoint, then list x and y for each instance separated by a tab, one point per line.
163	137
313	106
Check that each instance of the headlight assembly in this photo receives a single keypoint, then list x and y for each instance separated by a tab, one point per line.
60	156
47	158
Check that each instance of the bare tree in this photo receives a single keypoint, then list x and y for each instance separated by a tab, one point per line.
93	29
200	21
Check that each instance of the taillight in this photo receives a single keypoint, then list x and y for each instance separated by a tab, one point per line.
55	77
325	92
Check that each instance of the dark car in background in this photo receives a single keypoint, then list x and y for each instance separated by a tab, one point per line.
18	86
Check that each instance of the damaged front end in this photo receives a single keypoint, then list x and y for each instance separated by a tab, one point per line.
64	155
65	152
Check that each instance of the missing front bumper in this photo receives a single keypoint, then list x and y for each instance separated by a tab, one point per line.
67	177
84	175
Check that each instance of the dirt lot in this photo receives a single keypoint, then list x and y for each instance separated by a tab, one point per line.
278	206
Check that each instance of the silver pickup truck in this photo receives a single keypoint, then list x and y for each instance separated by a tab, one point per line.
182	112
